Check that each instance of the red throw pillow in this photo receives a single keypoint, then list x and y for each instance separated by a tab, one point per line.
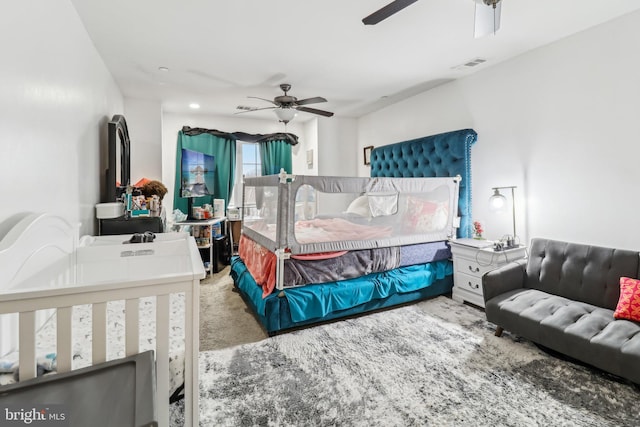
629	302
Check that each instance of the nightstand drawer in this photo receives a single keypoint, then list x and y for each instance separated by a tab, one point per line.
468	266
469	283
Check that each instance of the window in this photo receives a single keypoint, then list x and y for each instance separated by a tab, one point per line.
251	165
247	164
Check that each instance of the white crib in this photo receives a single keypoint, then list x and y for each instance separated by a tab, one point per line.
45	267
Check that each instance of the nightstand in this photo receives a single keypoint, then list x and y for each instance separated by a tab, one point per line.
471	262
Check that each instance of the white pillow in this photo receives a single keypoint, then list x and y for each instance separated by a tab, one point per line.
360	206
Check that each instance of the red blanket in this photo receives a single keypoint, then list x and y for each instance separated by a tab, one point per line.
260	262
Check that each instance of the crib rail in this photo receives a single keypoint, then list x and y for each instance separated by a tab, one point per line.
64	299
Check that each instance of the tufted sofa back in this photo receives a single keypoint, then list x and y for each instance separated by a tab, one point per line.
445	154
579	272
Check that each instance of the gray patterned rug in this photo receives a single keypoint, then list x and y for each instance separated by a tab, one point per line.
433	363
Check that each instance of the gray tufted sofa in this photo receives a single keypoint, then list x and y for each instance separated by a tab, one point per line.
563	297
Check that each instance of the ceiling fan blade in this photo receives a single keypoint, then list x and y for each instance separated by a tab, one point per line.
315	100
315	111
250	109
387	11
487	18
264	99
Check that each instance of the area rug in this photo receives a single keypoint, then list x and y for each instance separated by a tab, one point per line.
435	363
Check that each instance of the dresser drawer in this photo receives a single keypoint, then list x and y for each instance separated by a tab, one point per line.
467	266
469	283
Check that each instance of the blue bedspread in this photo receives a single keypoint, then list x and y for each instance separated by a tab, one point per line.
317	301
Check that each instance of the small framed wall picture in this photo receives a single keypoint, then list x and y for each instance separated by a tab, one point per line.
367	154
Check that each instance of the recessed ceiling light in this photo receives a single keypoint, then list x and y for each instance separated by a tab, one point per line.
194	105
163	69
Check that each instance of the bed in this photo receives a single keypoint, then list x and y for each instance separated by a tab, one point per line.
50	278
320	248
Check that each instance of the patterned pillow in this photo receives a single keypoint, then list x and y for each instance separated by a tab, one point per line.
425	216
629	302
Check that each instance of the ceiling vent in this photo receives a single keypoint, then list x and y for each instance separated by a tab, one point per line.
470	64
475	62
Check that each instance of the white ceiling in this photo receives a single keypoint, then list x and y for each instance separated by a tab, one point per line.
218	52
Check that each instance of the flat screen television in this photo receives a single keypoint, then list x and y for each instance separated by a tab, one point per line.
196	176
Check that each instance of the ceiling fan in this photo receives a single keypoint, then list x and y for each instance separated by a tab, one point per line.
287	106
487	18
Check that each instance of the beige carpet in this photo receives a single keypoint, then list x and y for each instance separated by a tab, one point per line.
225	320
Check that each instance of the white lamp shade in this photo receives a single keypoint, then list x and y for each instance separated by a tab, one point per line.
285	114
497	202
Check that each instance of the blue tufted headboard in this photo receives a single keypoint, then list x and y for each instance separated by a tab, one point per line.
445	154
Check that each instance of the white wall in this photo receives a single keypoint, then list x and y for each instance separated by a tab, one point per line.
337	139
172	123
558	122
144	120
56	97
308	141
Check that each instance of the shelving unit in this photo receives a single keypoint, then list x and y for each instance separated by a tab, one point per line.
206	242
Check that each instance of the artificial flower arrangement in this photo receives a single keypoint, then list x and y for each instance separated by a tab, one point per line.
477	230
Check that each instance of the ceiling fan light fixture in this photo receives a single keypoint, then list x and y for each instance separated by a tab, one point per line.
287	106
487	20
285	114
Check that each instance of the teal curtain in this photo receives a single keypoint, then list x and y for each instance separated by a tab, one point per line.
224	151
275	155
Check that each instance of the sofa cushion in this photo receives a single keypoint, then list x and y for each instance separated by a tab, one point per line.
589	274
629	303
521	311
630	351
582	331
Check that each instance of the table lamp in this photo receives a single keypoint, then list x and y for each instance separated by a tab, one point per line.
498	203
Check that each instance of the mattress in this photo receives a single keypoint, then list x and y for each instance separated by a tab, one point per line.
81	340
301	270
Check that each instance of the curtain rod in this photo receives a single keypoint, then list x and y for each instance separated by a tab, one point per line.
243	136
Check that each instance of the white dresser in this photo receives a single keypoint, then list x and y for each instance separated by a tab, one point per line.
471	262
